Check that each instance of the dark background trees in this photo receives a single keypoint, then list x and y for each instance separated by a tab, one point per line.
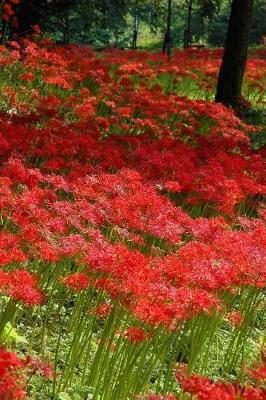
132	23
28	13
218	25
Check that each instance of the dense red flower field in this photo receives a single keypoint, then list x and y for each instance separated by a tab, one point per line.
132	219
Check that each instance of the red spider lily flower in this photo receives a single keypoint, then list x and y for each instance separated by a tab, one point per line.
21	286
47	251
78	281
36	28
16	170
172	186
135	334
258	371
86	109
12	378
14	374
203	388
157	397
44	368
4	145
235	318
103	310
14	44
7	11
59	81
27	76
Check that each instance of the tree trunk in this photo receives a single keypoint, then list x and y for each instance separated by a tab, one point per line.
167	36
187	33
235	54
66	33
5	31
135	26
27	15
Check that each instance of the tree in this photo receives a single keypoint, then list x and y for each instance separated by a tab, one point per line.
135	24
235	55
187	33
66	27
218	25
167	36
259	21
204	9
33	12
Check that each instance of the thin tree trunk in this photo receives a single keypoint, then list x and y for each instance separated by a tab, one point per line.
187	33
167	36
235	54
189	22
135	26
5	31
66	35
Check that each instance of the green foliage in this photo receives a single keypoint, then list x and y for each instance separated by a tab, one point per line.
259	21
11	335
113	23
99	23
218	26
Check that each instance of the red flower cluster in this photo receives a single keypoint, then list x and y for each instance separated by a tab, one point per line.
159	288
160	136
259	371
77	281
203	388
12	376
122	187
157	397
14	373
136	334
21	286
8	8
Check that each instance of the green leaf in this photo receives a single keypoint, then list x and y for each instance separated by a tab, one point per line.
64	396
11	335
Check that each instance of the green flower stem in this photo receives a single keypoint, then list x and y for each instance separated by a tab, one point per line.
8	313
